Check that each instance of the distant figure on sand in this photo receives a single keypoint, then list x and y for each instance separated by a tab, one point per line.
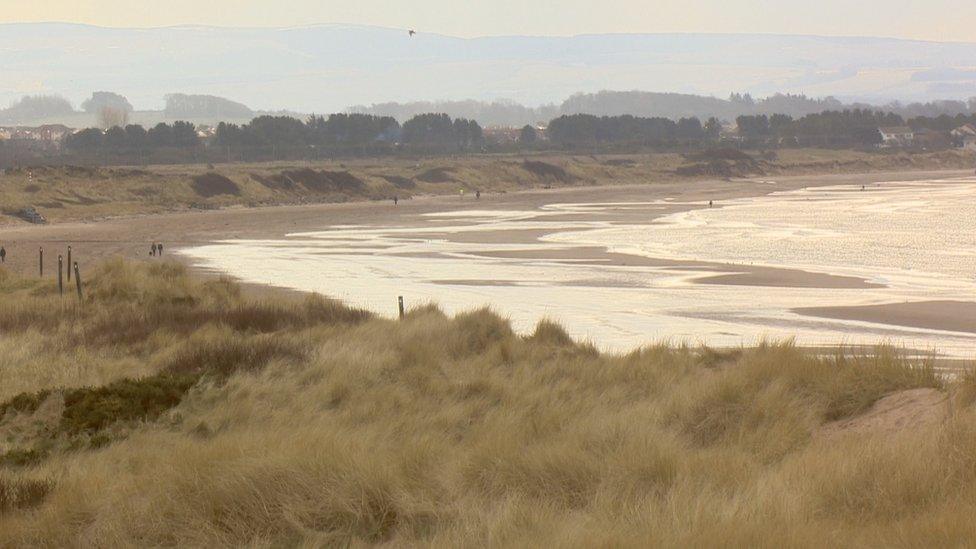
395	199
3	254
152	250
709	203
159	248
477	195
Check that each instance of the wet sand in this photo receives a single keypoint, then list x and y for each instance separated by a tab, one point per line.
738	275
953	316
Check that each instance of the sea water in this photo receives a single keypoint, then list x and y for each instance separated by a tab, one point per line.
916	239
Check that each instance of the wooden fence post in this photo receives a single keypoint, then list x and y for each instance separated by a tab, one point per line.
78	280
400	303
69	263
60	275
41	260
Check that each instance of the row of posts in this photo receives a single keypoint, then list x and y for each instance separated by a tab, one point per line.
61	271
78	275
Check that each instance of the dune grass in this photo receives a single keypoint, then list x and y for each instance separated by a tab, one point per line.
167	410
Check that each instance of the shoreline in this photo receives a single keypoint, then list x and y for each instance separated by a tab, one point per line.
98	240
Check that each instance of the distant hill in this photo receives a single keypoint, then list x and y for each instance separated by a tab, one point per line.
328	68
104	99
35	107
179	105
489	113
650	104
677	105
36	110
209	110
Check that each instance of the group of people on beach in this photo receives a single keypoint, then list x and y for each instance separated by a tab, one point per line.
156	249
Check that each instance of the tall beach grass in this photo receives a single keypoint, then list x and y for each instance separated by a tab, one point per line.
168	410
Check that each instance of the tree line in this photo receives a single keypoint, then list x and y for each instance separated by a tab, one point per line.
283	137
655	104
588	129
345	134
854	127
133	137
843	128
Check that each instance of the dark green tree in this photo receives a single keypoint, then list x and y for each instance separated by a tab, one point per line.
528	135
160	135
713	128
136	136
185	134
86	140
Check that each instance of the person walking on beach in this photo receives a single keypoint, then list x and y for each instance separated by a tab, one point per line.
152	250
395	199
159	249
477	195
3	254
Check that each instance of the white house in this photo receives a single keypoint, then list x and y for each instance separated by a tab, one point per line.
965	136
897	136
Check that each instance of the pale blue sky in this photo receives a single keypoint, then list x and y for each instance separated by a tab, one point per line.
953	20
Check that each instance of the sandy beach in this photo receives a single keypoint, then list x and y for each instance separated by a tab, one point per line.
131	237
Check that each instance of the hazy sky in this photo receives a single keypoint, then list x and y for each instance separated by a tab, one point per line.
932	20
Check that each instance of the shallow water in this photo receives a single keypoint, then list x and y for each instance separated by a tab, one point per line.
897	233
918	239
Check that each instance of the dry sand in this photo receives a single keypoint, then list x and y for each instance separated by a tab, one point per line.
131	237
911	410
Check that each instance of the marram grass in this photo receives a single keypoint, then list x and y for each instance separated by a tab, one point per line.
167	410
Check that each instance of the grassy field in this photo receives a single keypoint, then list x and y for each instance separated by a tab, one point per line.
81	193
164	410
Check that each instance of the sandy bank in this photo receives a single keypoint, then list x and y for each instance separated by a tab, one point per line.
953	316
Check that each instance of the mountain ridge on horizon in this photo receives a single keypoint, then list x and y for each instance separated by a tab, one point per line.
330	67
210	110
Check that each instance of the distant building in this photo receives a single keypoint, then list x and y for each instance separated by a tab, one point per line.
897	136
932	139
964	137
20	140
729	132
50	132
206	132
541	131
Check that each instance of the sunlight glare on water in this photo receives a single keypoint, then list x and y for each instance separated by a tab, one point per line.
913	230
918	239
